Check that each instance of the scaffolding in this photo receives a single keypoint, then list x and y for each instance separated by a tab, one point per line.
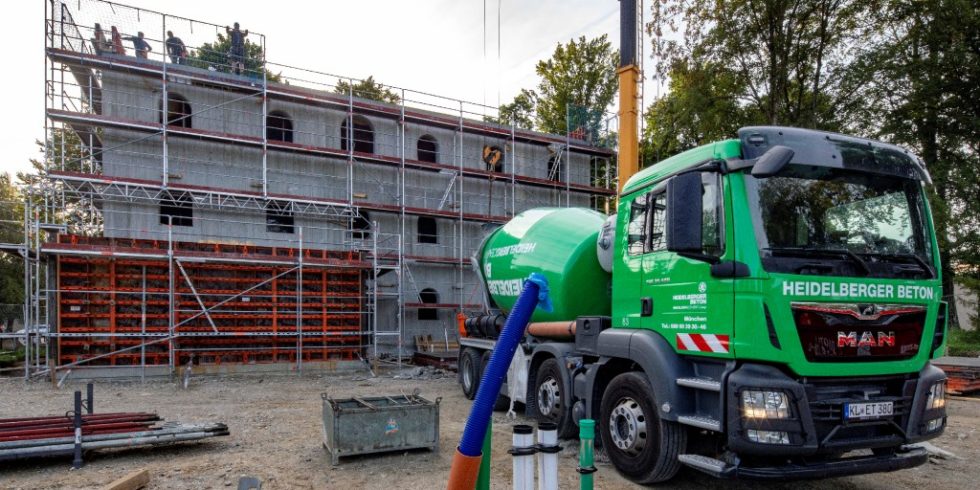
302	196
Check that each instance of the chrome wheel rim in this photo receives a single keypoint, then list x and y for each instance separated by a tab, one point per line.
549	397
628	427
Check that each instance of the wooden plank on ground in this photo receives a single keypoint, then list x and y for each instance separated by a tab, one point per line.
132	481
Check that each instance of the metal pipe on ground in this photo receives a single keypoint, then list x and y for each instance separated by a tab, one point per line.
65	449
106	437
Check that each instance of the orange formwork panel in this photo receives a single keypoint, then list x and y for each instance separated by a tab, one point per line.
108	301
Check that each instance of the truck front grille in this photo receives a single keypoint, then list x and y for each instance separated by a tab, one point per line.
859	332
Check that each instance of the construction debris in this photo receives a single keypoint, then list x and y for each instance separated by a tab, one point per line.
963	374
934	451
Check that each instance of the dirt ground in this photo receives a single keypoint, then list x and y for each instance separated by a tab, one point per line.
275	425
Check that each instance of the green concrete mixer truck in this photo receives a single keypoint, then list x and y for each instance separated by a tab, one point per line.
759	307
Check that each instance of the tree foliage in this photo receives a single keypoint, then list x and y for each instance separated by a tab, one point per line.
904	71
787	56
702	105
919	75
520	112
368	89
579	74
64	151
11	265
215	56
577	84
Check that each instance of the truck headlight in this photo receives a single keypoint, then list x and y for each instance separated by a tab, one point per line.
760	404
768	436
937	396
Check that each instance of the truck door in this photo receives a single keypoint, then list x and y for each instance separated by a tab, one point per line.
691	309
628	289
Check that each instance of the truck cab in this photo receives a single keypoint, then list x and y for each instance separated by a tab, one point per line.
775	301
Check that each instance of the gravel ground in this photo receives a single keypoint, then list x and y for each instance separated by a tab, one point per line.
276	436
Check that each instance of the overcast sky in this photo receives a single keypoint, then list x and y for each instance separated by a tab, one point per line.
436	46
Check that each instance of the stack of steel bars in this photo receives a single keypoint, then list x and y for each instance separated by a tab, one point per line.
76	432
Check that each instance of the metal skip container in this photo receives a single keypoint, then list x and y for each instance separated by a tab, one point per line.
377	424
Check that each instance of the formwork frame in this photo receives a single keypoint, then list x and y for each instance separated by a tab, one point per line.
75	103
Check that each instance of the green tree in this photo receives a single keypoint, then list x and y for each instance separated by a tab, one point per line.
578	82
11	263
760	62
520	112
65	152
215	55
702	105
368	89
918	76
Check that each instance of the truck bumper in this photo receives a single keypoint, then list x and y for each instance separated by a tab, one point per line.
902	459
810	440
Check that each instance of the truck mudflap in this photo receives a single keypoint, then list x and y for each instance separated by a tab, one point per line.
902	459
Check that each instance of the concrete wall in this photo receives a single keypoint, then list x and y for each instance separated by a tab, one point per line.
236	167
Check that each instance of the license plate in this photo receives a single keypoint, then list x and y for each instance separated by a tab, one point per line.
871	410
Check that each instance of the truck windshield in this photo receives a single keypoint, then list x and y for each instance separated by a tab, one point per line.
819	220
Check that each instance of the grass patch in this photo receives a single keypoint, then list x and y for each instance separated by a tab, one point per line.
8	357
964	343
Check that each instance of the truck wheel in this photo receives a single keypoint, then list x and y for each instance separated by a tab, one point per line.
641	445
503	402
469	372
548	399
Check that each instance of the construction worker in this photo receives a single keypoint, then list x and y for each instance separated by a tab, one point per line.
99	42
176	49
139	45
236	56
117	46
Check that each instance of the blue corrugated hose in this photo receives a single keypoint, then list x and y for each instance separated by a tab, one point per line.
535	293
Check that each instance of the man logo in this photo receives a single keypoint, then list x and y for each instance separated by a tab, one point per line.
867	339
868	310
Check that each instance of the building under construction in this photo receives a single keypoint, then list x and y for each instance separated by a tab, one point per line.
197	212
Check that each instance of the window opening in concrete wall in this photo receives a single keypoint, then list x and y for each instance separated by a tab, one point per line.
428	230
279	217
428	296
178	111
179	208
363	135
427	148
493	156
279	127
361	226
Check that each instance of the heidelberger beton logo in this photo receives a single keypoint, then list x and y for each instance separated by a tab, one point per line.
857	290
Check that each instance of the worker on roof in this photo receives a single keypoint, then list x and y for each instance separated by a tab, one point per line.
176	49
117	46
140	45
236	56
99	41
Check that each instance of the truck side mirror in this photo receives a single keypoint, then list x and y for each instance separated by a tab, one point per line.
772	161
684	213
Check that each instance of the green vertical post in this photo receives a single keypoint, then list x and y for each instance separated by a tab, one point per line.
586	466
483	479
